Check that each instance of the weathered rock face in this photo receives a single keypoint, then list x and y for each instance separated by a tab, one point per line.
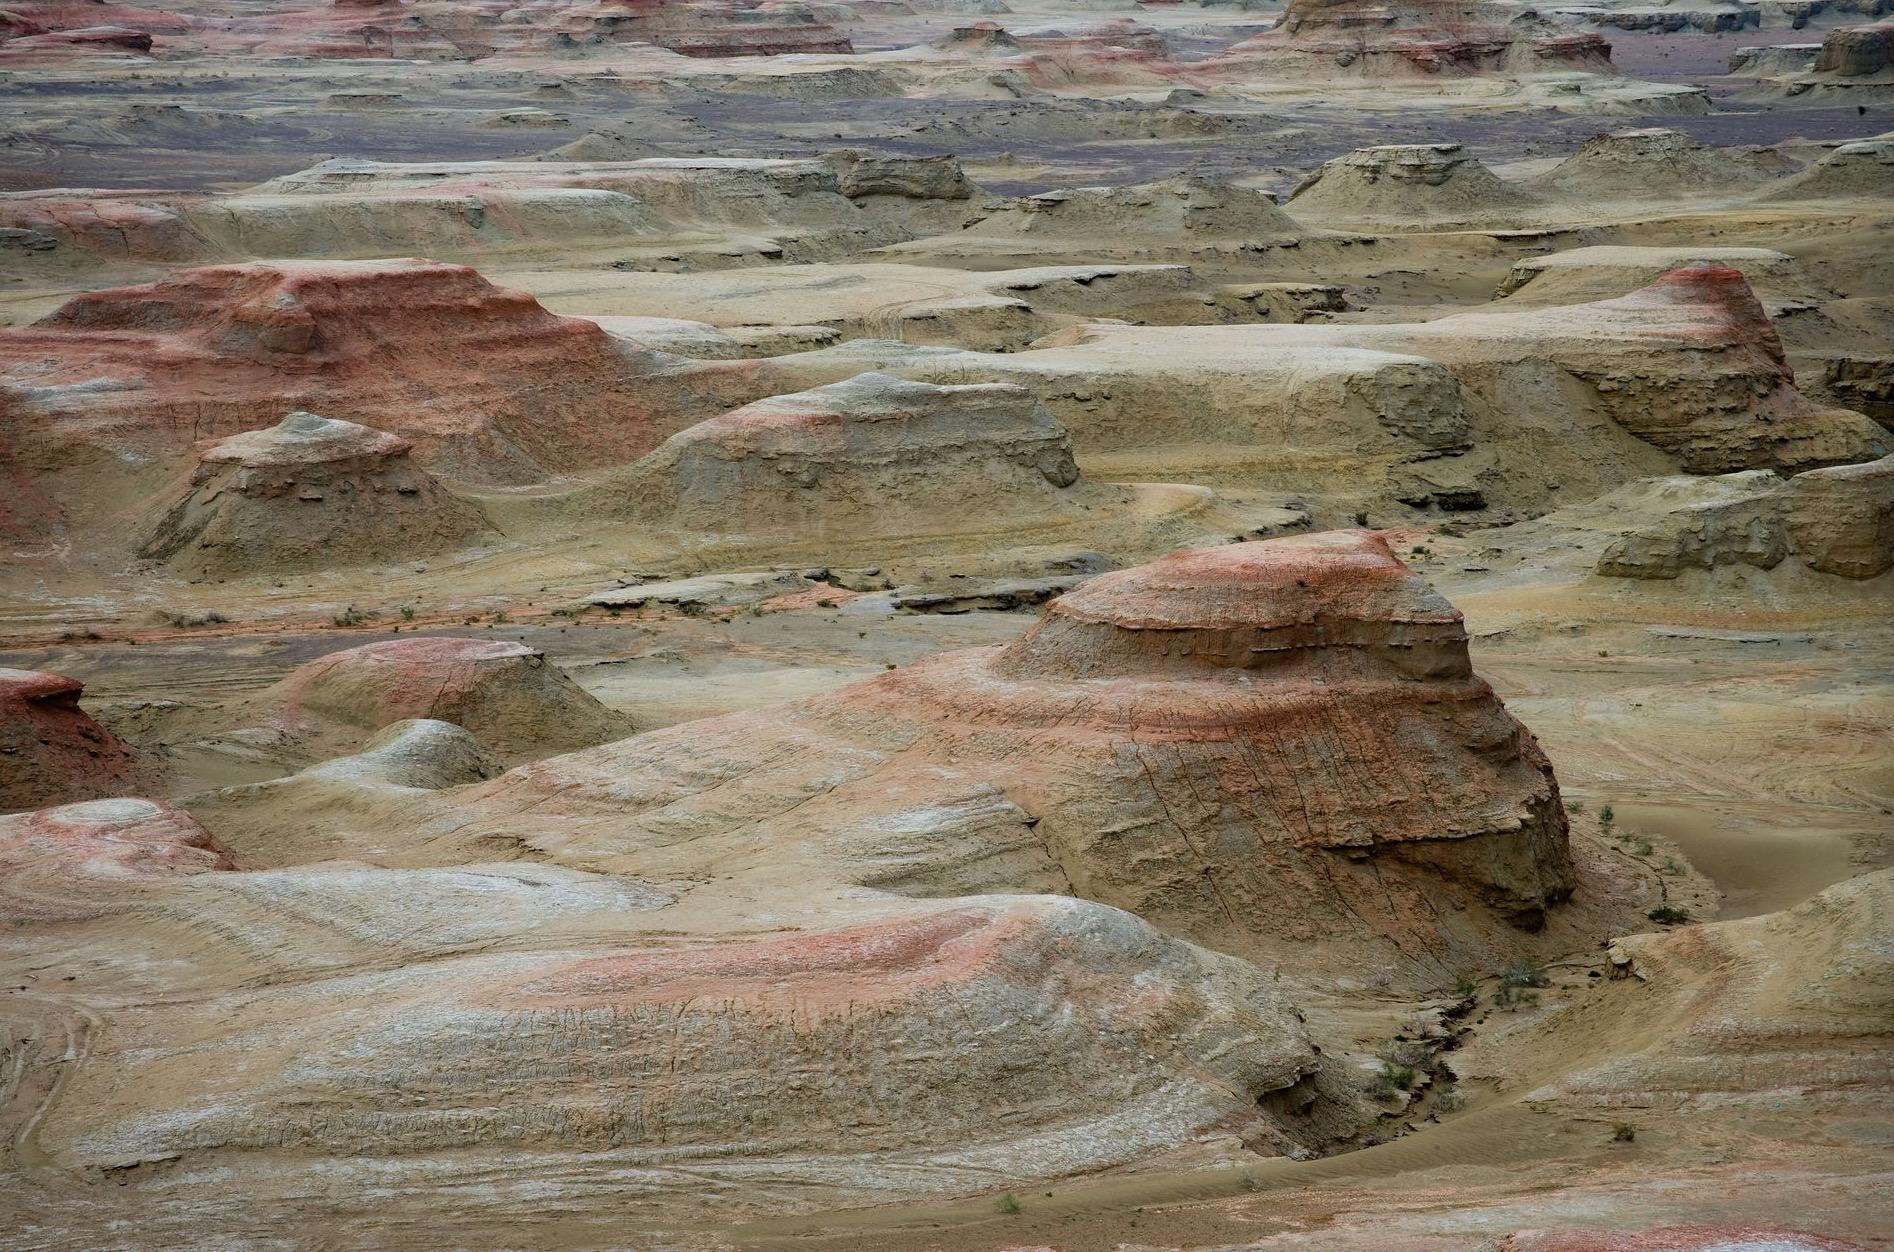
1842	518
1332	39
1838	521
1721	1238
1701	523
485	382
873	455
83	860
958	1050
309	493
52	752
860	174
1270	746
1857	51
507	694
1408	183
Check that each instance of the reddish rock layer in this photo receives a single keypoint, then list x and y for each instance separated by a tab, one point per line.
485	382
52	752
81	860
1416	38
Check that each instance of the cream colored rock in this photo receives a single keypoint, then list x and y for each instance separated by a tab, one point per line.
1842	518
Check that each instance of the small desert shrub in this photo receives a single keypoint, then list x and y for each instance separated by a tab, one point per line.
84	635
407	612
1672	867
1466	986
351	616
189	621
1667	915
1449	1099
1009	1204
1624	1132
1510	997
1525	972
1606	817
1406	1054
500	617
1574	806
1391	1080
1361	519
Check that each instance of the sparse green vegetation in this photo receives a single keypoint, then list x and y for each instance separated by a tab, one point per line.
1449	1099
1623	1132
1361	519
500	617
1666	915
351	616
1466	986
1009	1204
1513	998
407	612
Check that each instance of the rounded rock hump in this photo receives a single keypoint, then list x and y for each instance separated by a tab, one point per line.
1250	606
508	695
303	438
52	751
74	860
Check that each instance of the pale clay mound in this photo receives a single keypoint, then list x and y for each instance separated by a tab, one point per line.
511	698
1654	163
53	752
872	455
308	494
1188	207
1113	752
1413	185
1853	171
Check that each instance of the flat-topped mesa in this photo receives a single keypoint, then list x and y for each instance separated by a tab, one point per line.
1334	39
1722	312
698	29
81	860
486	383
1414	184
1337	602
309	493
512	699
872	454
52	751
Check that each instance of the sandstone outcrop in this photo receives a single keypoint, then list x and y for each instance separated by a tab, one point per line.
1699	523
1274	747
1601	272
486	384
509	695
1857	51
307	494
1410	186
1838	520
53	752
1842	518
872	455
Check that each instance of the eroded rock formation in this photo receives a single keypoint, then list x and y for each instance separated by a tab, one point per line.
1333	39
52	751
511	698
307	494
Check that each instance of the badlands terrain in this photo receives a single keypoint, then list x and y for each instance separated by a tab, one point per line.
947	624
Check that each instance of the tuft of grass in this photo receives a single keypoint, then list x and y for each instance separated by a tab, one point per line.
1009	1204
1466	986
407	612
351	616
1671	866
1449	1099
1668	916
190	621
1361	518
1514	998
1408	1054
1624	1132
500	617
